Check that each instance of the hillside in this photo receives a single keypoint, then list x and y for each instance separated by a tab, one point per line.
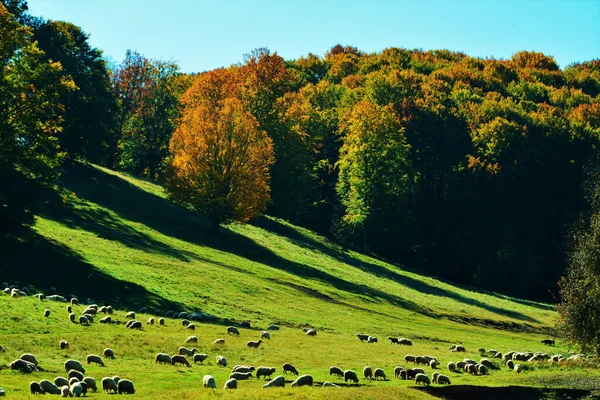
117	240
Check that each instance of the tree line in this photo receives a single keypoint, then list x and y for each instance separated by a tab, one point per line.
464	168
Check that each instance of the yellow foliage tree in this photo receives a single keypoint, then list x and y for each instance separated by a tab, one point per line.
221	161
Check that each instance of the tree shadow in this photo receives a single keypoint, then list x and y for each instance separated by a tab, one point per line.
473	392
34	260
339	254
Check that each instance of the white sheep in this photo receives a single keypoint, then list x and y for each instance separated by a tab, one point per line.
179	359
240	376
303	380
451	366
130	315
161	321
253	344
150	321
329	384
49	387
219	342
336	371
379	373
187	352
72	317
35	388
209	382
287	367
230	384
63	344
61	381
64	390
91	383
350	375
75	374
162	358
443	380
109	384
29	357
372	339
265	335
221	361
46	313
191	339
93	358
74	364
191	327
125	386
76	389
397	371
232	330
109	353
200	357
278	381
422	378
311	332
136	325
265	371
368	372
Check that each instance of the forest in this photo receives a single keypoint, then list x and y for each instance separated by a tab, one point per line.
471	170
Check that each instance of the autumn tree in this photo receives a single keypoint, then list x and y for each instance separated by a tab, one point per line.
30	120
221	161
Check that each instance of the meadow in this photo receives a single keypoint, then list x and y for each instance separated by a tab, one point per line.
117	240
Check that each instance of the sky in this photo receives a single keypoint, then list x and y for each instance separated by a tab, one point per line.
201	35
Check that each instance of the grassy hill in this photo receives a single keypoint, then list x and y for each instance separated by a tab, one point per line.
117	240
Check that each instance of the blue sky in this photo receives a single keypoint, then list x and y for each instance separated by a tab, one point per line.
202	35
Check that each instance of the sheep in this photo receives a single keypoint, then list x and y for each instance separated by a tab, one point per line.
91	311
105	320
179	359
136	325
434	363
434	377
422	379
336	371
74	364
108	385
517	368
191	327
63	344
60	381
469	361
29	357
240	376
199	358
230	384
368	372
362	337
185	322
311	332
460	349
253	345
472	369
103	309
232	330
83	320
109	353
303	380
539	357
162	358
49	387
405	342
350	376
125	386
46	313
161	321
289	368
497	355
372	339
243	368
64	391
409	358
23	366
265	335
219	342
73	380
443	380
329	384
460	365
481	350
412	373
393	340
91	383
72	317
150	321
221	361
421	360
76	390
191	339
451	366
482	369
510	364
130	315
89	317
273	328
209	382
397	371
55	297
264	371
93	358
278	381
549	342
187	352
36	388
379	373
488	363
508	356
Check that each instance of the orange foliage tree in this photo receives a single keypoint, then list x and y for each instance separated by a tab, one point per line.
221	161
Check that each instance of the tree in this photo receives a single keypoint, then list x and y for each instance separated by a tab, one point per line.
579	310
374	173
89	128
30	118
221	161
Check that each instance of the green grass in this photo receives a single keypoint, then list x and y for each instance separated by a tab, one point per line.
117	239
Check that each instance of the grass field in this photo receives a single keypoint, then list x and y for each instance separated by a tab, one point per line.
117	240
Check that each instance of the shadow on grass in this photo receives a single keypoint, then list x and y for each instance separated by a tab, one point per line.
34	260
471	392
339	254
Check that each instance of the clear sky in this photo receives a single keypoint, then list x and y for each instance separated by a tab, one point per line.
202	35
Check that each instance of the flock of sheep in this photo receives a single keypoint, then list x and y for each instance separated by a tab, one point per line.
76	384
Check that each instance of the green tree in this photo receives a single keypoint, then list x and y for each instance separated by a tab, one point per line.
30	117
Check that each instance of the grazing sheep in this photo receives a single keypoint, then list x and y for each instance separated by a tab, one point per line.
161	321
412	373
63	345
265	335
221	361
510	364
434	377
393	340
549	342
368	372
74	364
187	352
91	383
443	380
434	364
336	371
405	342
508	356
150	321
74	301
409	358
481	350
36	388
46	313
105	320
90	311
136	325
191	339
103	309
240	376
362	337
422	379
75	374
472	369
72	317
199	358
49	387
451	366
29	357
130	315
76	390
421	360
329	384
23	366
185	322
460	349
469	361
209	382
109	384
83	320
162	358
73	380
64	391
179	359
497	355
243	368
461	365
397	371
379	373
278	381
109	309
230	384
482	369
350	376
273	328
517	368
93	358
125	386
303	380
61	381
109	353
55	297
265	371
191	327
311	332
232	330
372	339
488	363
219	342
253	345
289	368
